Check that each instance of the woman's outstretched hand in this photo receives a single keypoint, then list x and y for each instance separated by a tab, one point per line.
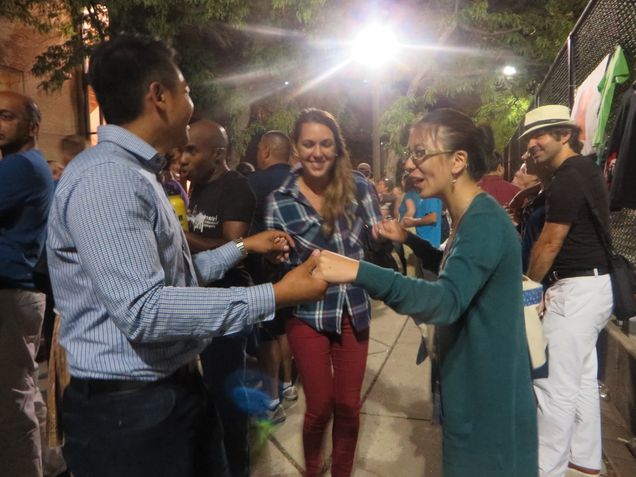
392	230
334	268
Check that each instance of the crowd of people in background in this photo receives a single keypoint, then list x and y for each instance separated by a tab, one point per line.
174	275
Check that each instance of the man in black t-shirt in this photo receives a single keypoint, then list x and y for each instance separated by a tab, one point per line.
221	209
579	298
274	354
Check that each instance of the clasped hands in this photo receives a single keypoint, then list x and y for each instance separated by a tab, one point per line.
298	285
308	282
335	268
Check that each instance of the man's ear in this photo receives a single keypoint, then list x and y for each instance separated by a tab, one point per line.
565	137
219	154
157	95
34	129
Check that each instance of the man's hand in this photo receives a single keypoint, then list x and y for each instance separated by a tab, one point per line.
392	230
274	243
299	285
335	268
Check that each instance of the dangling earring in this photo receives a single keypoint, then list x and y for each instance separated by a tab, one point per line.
453	182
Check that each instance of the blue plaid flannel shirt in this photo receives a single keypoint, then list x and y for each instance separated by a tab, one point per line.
288	210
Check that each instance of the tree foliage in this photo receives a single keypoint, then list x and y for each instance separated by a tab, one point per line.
206	33
237	53
526	34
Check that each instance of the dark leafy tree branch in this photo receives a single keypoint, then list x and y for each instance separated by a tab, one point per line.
237	53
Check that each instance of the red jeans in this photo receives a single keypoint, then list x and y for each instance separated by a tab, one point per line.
332	368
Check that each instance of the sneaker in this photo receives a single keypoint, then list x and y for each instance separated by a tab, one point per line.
290	393
276	415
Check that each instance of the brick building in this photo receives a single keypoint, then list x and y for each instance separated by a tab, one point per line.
64	112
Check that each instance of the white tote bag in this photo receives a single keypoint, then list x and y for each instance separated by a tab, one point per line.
537	344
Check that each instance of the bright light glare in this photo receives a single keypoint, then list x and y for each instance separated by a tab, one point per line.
509	70
375	45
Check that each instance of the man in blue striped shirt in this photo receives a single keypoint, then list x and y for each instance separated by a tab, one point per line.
133	317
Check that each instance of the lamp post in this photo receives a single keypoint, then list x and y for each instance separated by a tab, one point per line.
373	47
375	128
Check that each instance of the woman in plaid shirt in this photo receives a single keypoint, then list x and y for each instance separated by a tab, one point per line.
325	205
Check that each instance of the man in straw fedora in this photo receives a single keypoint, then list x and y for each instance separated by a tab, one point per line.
570	257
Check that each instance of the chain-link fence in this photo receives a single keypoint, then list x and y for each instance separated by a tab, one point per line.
603	25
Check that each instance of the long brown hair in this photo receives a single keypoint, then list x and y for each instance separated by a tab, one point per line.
341	189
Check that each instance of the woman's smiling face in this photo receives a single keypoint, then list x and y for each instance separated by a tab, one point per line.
317	150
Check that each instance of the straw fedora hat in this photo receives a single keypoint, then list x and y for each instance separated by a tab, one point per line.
545	117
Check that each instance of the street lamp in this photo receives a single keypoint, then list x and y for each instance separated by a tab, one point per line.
373	47
509	71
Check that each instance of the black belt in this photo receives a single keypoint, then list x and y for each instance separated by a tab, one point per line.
185	375
555	275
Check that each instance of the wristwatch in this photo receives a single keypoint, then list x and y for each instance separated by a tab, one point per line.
241	246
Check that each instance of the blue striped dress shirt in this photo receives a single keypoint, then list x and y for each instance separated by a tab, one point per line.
122	274
288	210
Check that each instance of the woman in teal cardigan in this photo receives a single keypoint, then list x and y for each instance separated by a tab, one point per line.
488	408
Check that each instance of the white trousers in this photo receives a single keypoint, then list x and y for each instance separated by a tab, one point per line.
569	416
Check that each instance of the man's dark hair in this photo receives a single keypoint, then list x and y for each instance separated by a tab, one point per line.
493	161
574	131
121	70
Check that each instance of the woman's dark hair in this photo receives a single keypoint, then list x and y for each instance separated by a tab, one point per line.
121	70
341	189
457	132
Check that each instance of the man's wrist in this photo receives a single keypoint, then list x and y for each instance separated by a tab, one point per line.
240	245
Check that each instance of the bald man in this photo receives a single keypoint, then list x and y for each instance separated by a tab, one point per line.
220	210
272	161
26	191
274	355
